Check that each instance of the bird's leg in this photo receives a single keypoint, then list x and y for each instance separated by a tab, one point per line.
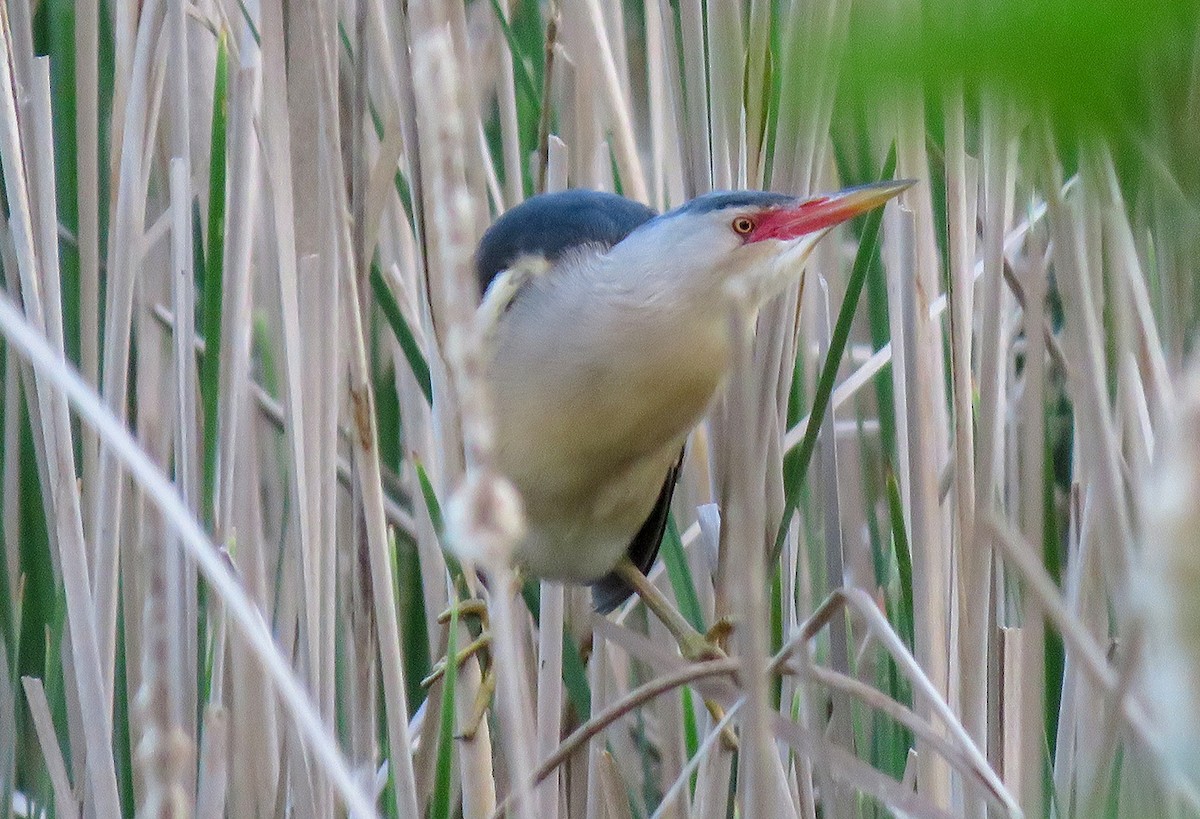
693	645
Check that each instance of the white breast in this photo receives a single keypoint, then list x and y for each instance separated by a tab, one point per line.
593	397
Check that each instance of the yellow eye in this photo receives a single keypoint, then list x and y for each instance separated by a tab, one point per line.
742	225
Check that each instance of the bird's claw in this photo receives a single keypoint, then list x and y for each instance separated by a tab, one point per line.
719	632
729	739
697	647
480	643
483	699
467	608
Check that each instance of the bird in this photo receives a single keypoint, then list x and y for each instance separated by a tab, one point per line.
608	338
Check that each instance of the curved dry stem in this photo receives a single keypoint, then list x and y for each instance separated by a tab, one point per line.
634	699
876	699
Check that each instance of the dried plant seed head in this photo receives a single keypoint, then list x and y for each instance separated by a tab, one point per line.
484	518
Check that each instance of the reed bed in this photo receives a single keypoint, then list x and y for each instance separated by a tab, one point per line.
947	500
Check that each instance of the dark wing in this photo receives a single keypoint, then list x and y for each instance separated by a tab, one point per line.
611	591
550	224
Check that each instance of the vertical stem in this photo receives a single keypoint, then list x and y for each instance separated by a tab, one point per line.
972	562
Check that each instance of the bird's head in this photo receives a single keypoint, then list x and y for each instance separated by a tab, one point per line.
757	241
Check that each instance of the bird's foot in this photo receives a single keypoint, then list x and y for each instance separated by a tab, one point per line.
719	631
708	646
473	608
697	648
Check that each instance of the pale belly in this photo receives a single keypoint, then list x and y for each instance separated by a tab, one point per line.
588	432
581	537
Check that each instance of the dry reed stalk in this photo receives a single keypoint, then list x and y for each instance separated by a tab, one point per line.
971	562
693	113
481	175
548	701
1080	540
365	440
610	789
757	57
125	250
506	96
87	180
712	780
319	303
1103	567
726	60
211	788
167	740
840	729
164	751
997	152
929	570
293	126
182	610
677	790
43	726
8	729
581	109
12	476
484	517
761	789
293	225
54	425
236	302
475	753
326	355
625	148
1031	435
255	751
598	680
927	424
1100	454
549	691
